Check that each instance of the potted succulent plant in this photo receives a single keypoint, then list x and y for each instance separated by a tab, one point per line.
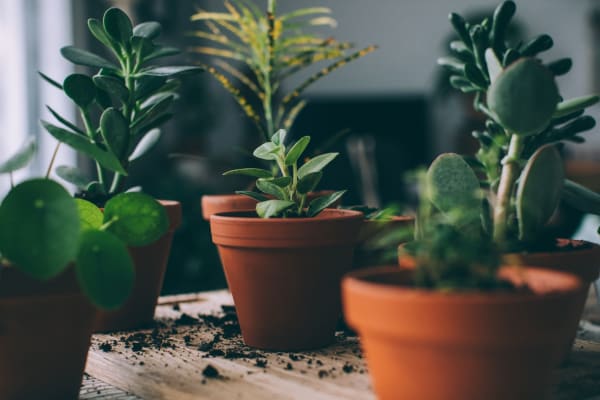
56	253
122	106
257	52
518	165
284	261
455	315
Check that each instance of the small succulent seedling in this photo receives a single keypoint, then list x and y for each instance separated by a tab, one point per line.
43	230
122	105
522	170
290	184
271	48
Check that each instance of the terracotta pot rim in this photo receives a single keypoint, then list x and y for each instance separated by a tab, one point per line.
337	214
236	195
356	282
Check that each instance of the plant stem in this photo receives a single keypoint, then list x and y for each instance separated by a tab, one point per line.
52	160
510	172
91	133
268	70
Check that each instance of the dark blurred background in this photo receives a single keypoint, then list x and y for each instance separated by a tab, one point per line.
386	114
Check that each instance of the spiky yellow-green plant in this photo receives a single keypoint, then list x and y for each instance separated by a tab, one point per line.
258	50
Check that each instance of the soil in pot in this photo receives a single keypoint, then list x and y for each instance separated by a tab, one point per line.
431	345
45	332
285	274
219	203
150	265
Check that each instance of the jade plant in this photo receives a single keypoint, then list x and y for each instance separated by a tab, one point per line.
122	104
44	230
258	52
518	165
288	184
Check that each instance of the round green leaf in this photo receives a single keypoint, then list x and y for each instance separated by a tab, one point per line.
149	30
81	89
90	216
136	218
21	158
112	85
39	228
104	269
118	26
524	97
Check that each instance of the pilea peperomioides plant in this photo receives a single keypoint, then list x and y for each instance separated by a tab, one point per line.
260	50
43	230
527	120
290	184
122	105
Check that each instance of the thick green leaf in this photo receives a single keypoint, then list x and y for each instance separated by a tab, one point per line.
40	228
171	71
279	137
149	30
85	146
104	269
81	89
309	182
96	28
268	187
64	121
115	131
154	112
136	218
316	164
112	85
254	172
90	216
266	151
320	203
21	158
253	195
145	144
118	26
581	198
539	191
573	105
282	181
297	150
73	175
162	51
148	85
273	208
84	57
142	46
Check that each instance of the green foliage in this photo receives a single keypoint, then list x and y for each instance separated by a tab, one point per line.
21	158
285	188
518	94
121	104
258	51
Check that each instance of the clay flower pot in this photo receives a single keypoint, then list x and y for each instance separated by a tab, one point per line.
284	274
219	203
45	332
422	344
150	264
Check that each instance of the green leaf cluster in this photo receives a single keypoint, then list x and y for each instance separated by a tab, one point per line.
526	119
284	189
259	51
43	230
121	104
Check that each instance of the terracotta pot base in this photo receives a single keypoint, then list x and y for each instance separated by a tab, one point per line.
150	265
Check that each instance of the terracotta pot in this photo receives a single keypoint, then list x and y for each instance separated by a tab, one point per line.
583	261
285	274
150	264
45	332
425	345
218	203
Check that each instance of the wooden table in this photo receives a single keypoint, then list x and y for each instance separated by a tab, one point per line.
195	352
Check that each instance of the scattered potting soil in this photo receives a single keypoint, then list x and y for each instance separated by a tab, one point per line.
210	372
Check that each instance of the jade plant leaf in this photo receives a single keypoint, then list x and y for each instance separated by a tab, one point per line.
581	198
271	188
270	208
539	190
115	131
266	151
254	172
573	105
149	30
319	204
96	28
73	175
316	164
524	97
171	71
453	184
253	195
118	26
309	182
90	216
146	144
40	228
81	89
104	269
136	218
21	158
112	85
86	58
296	151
